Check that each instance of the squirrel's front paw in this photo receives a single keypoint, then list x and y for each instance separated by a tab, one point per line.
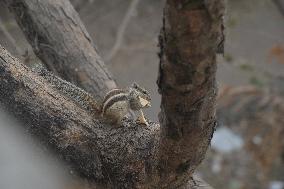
142	121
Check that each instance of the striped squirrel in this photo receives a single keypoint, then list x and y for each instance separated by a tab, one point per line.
116	104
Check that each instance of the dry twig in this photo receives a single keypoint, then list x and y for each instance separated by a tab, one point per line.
121	30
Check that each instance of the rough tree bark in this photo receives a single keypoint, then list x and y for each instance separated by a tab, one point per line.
129	156
93	148
61	41
189	40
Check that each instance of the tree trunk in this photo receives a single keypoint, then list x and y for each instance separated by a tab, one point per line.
61	41
189	40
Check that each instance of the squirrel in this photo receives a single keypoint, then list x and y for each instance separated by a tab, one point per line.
116	105
118	102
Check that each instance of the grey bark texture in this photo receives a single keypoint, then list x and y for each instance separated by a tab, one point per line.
130	156
61	41
95	150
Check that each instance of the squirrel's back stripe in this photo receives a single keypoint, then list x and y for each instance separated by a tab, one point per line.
112	100
112	93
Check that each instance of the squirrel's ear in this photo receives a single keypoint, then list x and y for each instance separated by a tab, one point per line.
134	85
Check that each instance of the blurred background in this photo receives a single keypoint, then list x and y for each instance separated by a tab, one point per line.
247	151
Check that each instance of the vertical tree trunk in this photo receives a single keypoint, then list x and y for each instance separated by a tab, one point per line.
189	40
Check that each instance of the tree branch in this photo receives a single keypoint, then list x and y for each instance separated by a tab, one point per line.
93	148
189	40
279	5
60	40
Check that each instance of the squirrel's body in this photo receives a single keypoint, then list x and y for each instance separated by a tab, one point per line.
116	104
115	108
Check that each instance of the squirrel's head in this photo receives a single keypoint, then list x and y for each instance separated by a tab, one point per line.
141	94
